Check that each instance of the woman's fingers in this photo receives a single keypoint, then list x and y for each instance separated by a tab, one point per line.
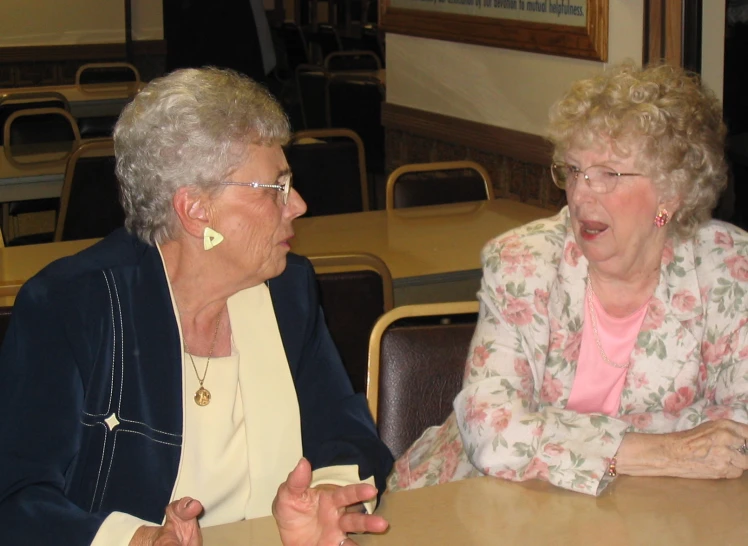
363	523
353	494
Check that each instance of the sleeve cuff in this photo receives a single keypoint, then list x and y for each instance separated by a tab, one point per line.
118	529
342	475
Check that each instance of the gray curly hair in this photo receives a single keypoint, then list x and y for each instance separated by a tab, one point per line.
664	115
192	127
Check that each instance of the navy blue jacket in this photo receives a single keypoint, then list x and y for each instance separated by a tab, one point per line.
64	370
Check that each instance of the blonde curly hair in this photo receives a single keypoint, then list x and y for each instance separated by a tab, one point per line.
662	114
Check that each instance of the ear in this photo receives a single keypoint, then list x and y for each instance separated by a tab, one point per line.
193	211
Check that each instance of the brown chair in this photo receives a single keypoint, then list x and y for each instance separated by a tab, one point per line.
5	314
311	84
355	290
13	102
422	184
329	171
358	60
417	357
36	136
106	73
90	202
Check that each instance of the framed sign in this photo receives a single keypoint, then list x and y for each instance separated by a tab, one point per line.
572	28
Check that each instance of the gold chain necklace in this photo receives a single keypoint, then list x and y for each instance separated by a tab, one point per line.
593	318
202	395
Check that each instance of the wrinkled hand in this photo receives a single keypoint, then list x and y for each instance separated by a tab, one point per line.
711	450
318	516
179	529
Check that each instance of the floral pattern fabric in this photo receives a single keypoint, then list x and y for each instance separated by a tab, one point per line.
689	364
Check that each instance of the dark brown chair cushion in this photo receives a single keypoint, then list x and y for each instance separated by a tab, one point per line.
352	303
421	369
420	189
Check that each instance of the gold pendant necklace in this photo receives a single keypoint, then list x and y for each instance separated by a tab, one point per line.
202	395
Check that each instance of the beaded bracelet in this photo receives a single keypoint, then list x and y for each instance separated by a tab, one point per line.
612	468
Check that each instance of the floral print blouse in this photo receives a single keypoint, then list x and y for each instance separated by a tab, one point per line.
689	364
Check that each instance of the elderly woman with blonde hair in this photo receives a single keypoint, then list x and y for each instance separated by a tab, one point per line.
179	373
613	337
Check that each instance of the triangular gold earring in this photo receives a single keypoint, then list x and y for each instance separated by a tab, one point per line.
211	238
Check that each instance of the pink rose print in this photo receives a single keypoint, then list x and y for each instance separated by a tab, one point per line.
480	355
714	353
541	302
551	390
571	349
500	419
655	315
522	369
684	301
451	454
668	253
572	253
677	401
536	469
640	421
738	267
718	412
514	255
723	239
554	450
475	413
517	312
508	474
637	379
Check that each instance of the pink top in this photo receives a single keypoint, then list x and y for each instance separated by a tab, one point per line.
597	385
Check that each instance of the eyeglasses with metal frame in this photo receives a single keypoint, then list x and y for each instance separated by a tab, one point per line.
599	178
284	187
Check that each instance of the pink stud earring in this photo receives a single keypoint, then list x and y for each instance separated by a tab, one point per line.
662	218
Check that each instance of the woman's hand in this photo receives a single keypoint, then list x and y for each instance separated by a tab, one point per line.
318	516
709	451
180	529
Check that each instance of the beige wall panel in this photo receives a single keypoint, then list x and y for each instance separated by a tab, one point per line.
501	87
713	46
56	22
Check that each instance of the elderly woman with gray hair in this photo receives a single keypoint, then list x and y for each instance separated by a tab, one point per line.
613	337
179	373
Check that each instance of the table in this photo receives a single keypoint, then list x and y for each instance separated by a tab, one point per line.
489	511
432	252
104	99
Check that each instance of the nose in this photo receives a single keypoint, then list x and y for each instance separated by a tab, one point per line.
579	191
296	205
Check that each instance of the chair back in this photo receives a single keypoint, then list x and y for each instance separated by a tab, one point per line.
328	39
329	171
354	290
51	131
5	314
422	184
372	38
417	357
355	102
90	204
294	44
93	73
13	102
340	61
311	83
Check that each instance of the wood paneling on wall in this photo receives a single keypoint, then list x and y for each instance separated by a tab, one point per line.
517	162
56	65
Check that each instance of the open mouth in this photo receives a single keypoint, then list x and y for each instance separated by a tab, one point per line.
591	229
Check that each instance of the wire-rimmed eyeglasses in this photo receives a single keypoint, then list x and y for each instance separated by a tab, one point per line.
283	187
599	178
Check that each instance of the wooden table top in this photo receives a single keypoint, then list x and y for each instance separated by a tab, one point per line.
488	511
416	243
90	92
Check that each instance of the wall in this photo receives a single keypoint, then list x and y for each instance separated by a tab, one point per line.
57	22
713	45
500	87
